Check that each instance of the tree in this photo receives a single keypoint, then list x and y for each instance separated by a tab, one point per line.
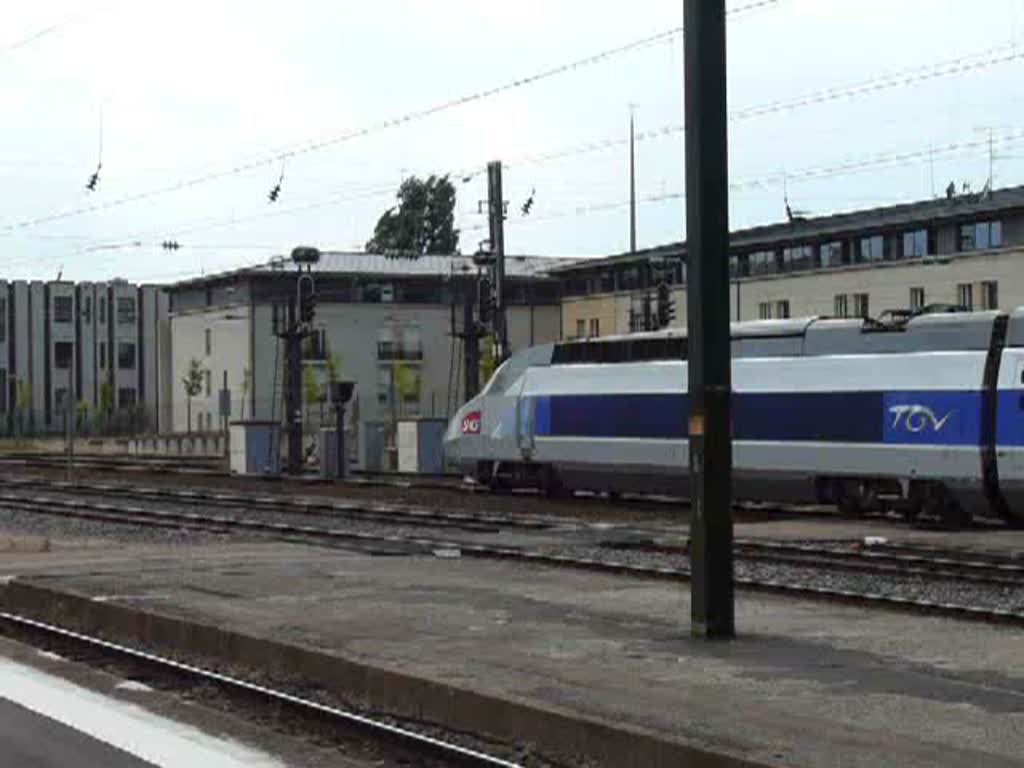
246	386
24	404
422	223
106	407
82	410
311	392
193	384
333	369
406	382
488	360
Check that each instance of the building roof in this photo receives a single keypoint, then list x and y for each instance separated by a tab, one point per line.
837	226
351	263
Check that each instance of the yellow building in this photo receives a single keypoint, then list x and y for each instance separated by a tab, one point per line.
962	250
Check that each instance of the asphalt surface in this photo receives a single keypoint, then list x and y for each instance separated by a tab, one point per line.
29	740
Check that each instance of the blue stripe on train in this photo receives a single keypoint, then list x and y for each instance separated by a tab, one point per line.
1010	418
901	418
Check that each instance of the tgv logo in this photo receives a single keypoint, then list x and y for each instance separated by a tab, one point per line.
917	418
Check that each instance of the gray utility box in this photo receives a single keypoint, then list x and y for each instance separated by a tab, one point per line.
421	445
329	459
255	447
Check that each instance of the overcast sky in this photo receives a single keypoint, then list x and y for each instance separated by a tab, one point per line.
199	87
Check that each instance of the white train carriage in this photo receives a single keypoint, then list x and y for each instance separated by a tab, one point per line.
859	413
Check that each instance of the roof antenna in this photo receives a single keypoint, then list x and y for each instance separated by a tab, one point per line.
276	189
95	178
791	214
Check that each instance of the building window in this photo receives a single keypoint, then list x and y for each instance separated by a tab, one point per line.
916	299
861	305
871	249
88	310
841	306
126	311
832	254
797	258
782	309
103	354
62	309
103	310
629	278
400	380
126	398
965	295
981	235
3	319
764	310
60	399
3	390
915	244
399	342
736	266
125	355
581	329
209	342
763	263
209	382
595	327
990	295
62	352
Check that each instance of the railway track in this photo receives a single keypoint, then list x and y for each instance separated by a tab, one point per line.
751	510
437	750
884	559
322	506
888	559
890	564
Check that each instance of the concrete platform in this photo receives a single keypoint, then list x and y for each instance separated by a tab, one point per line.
807	684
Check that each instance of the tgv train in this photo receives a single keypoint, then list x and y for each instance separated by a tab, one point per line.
918	412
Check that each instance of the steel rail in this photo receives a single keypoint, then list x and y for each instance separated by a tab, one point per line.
438	748
137	515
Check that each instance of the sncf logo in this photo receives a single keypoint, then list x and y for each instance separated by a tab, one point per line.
917	419
471	423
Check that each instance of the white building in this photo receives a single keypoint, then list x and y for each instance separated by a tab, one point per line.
102	346
392	326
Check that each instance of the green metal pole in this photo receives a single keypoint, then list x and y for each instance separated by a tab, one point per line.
710	381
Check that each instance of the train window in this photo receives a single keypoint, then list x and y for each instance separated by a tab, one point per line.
625	351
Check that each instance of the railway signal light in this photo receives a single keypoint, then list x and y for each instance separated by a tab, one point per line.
274	192
666	306
307	301
93	181
485	300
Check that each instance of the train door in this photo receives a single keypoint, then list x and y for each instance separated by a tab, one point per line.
525	409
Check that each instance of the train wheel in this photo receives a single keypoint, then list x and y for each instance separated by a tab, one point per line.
912	511
551	484
953	516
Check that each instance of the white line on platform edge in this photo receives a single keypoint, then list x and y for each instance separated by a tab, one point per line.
127	727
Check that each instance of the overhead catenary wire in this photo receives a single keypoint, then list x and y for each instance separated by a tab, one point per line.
39	34
881	160
383	125
763	181
989	57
